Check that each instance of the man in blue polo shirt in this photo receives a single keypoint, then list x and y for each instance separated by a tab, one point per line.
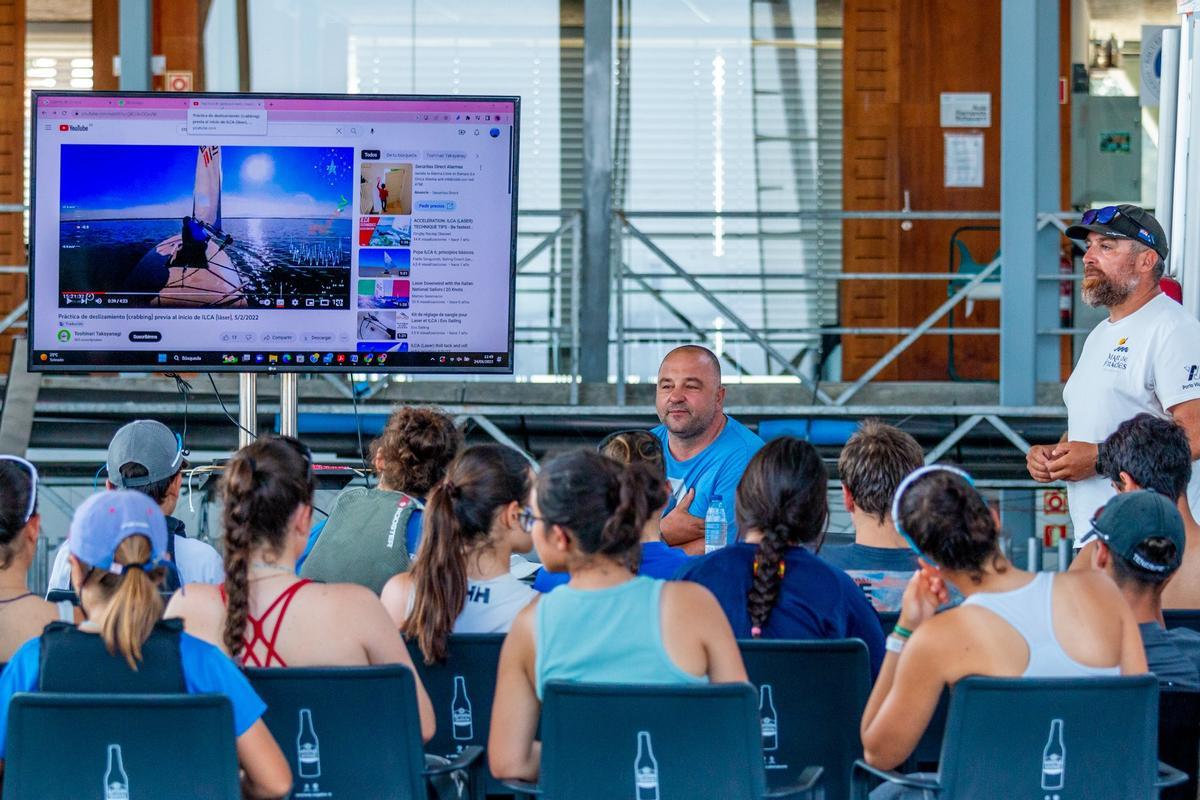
706	451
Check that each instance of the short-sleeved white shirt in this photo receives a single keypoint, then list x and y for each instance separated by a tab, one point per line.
1147	362
196	561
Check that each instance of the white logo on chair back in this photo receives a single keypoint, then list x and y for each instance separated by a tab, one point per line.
308	749
461	719
769	719
645	769
116	782
1054	760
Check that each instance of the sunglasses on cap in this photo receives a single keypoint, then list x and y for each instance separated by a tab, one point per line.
906	484
33	484
1115	219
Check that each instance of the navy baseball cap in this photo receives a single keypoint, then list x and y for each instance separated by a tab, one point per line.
1125	522
108	518
1124	221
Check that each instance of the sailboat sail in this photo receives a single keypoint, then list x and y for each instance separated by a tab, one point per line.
206	198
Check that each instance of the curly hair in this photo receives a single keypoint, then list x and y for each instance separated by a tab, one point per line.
416	447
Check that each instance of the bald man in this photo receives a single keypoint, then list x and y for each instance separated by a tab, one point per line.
705	451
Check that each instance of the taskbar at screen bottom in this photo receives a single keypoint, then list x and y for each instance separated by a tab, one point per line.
267	361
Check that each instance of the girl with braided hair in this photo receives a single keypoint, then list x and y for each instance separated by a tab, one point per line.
264	615
606	625
771	583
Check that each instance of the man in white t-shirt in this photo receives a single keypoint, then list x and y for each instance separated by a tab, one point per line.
1144	358
147	457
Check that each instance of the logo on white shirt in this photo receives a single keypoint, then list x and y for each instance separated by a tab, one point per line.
1118	358
1193	377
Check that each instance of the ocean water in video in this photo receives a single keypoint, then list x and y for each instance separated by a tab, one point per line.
274	257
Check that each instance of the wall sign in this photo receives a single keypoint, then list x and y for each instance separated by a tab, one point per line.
966	110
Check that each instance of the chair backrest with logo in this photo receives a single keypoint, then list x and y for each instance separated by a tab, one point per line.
168	747
346	731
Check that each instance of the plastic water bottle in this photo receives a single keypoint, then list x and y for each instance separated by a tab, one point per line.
716	525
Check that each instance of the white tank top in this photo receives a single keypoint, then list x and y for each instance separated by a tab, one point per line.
491	605
1030	610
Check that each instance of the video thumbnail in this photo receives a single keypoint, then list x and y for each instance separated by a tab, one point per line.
384	263
383	294
385	188
386	326
384	231
204	226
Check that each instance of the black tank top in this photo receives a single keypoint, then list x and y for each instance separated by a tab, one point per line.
75	661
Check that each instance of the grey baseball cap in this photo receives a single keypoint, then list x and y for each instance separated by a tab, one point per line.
146	442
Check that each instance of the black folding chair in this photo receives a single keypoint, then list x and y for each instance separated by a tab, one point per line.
605	741
1179	737
1182	618
351	731
810	703
461	689
1042	737
166	747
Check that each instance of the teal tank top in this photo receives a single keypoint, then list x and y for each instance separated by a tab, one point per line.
609	635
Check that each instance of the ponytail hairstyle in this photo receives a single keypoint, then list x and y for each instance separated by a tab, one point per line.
602	504
641	447
16	485
263	484
949	521
783	495
458	518
134	602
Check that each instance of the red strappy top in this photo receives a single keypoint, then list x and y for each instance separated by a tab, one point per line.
258	634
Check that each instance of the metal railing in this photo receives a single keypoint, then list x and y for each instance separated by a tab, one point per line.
547	331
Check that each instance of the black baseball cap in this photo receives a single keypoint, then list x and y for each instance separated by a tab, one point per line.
1125	522
1124	221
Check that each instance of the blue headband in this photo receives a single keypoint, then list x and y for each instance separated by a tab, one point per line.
907	483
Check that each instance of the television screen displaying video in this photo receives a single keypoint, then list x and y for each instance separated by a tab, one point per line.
272	232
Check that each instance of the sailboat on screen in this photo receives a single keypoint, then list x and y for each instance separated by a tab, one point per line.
200	270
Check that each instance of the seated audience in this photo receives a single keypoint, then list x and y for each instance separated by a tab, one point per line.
462	583
705	450
147	457
659	560
1147	452
117	542
770	584
23	614
263	615
606	625
1004	627
372	534
872	464
1141	545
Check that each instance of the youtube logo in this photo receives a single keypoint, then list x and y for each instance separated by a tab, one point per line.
64	128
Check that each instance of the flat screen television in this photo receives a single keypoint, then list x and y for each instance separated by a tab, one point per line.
272	232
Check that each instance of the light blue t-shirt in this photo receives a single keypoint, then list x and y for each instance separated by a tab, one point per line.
717	470
206	670
611	635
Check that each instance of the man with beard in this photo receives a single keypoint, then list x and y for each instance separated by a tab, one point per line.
1144	358
705	451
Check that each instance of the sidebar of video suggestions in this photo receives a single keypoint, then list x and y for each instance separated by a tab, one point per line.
383	289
